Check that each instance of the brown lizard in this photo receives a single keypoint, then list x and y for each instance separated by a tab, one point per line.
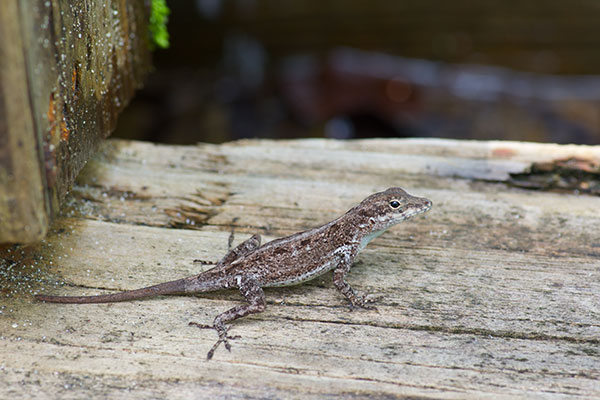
287	261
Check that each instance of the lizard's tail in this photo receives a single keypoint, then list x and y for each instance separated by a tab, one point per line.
172	287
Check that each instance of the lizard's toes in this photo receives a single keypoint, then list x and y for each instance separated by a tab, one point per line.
201	326
364	301
373	298
369	307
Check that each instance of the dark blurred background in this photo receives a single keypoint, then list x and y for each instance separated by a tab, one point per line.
518	70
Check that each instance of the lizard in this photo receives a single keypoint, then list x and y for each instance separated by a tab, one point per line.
290	260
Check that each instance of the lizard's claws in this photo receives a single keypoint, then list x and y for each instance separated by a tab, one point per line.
223	338
363	301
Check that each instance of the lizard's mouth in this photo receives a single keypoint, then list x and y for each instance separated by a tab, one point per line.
426	206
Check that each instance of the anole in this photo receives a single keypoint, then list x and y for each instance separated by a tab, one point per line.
291	260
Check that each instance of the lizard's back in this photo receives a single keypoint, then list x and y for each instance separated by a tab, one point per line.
297	258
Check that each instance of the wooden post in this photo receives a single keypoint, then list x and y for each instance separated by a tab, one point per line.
67	68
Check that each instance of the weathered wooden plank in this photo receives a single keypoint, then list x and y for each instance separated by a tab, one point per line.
493	294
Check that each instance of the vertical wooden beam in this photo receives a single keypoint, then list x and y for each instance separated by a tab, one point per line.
68	68
23	207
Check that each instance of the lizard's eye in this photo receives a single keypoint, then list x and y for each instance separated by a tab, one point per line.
394	204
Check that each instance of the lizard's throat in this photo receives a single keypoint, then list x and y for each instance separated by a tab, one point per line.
367	238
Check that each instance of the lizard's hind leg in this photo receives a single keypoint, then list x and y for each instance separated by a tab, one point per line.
243	249
255	296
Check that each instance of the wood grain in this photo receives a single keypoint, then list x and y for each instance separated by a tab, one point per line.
493	294
67	70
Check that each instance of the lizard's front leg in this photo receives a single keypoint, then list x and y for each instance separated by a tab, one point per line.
255	296
356	298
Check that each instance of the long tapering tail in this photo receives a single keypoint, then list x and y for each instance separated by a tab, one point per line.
173	287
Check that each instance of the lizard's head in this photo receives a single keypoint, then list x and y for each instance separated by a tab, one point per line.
384	209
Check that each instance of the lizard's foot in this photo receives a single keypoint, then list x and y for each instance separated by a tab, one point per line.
201	326
363	300
223	337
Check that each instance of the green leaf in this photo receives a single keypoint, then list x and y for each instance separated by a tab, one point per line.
159	16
